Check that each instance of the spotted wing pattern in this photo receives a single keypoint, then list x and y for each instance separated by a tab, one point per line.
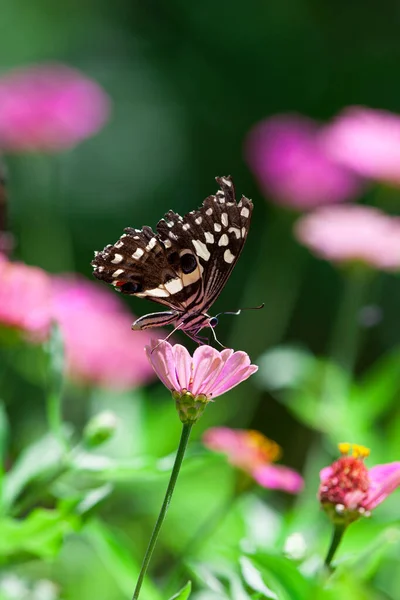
185	264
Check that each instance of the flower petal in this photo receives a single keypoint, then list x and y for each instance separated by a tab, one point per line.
183	366
206	361
161	358
384	479
236	369
278	477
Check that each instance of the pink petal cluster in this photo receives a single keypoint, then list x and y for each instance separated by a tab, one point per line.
209	373
292	166
367	141
254	453
348	489
25	298
49	108
100	346
352	234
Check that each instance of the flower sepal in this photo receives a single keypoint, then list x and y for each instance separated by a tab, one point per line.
189	407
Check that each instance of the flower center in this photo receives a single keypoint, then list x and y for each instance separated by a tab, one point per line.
348	482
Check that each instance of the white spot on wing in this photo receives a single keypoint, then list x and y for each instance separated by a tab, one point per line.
159	292
117	259
209	237
151	244
172	236
243	231
118	244
118	272
201	249
167	243
186	226
224	219
223	240
228	256
174	286
217	227
235	230
100	269
226	181
170	223
245	212
209	212
138	253
198	220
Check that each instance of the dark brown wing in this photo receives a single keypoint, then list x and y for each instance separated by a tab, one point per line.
216	233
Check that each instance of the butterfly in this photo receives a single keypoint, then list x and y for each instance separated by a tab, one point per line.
183	266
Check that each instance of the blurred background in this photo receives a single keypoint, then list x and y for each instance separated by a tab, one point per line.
186	84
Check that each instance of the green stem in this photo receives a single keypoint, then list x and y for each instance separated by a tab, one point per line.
186	429
336	539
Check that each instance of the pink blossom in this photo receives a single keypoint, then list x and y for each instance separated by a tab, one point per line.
254	453
49	108
100	347
25	296
209	373
348	489
367	141
292	166
195	381
352	234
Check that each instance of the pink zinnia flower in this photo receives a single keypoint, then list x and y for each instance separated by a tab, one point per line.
367	141
196	381
352	234
254	454
292	166
100	347
49	108
25	297
349	490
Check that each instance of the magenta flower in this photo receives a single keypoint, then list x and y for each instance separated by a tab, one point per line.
100	347
48	108
349	490
196	381
25	297
292	166
367	141
352	234
254	454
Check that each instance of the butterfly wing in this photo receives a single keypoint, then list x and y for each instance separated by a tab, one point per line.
186	263
216	233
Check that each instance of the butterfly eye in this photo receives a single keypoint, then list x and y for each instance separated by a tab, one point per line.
131	287
188	263
213	322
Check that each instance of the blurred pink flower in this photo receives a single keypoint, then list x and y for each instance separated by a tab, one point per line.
25	296
100	347
49	108
349	490
195	381
254	453
367	141
352	234
292	166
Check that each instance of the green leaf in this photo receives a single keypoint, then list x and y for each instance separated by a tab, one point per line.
42	458
40	534
116	556
184	593
279	575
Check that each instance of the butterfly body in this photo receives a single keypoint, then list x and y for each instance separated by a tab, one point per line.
184	265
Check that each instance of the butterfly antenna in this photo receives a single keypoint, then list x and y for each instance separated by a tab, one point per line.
237	312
